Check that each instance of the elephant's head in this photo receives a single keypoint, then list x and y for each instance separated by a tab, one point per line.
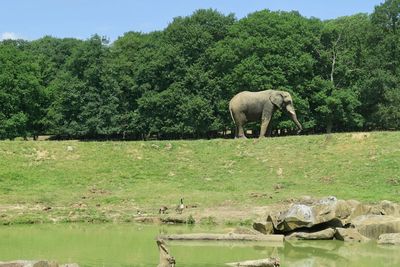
283	100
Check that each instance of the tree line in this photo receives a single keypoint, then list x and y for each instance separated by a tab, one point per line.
176	83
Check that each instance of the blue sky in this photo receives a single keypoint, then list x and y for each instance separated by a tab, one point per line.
32	19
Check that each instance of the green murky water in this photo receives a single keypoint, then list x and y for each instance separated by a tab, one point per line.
134	245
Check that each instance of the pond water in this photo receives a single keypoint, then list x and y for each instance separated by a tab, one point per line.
134	245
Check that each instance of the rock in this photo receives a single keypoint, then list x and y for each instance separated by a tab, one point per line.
23	263
319	235
372	226
274	219
297	216
343	210
147	219
389	239
385	207
266	227
245	231
327	210
353	203
349	235
14	264
389	208
308	200
42	263
360	209
173	220
307	215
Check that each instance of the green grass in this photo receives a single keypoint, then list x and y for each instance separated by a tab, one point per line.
120	177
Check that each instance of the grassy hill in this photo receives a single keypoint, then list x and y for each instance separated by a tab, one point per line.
95	178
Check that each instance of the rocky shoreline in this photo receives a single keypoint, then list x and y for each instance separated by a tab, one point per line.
320	219
307	218
330	218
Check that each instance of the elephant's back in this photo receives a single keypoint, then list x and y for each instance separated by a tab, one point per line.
250	94
247	98
237	101
249	103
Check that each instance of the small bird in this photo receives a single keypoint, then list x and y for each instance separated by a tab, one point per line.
163	210
180	207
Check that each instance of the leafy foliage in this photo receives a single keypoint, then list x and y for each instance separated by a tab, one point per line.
21	94
176	83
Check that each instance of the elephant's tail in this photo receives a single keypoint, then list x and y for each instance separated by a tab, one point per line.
230	111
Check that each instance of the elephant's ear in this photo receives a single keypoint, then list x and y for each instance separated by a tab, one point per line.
277	100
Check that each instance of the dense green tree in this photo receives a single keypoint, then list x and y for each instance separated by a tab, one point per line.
51	55
191	97
193	35
86	94
21	94
381	86
176	83
335	98
132	60
386	18
65	111
388	110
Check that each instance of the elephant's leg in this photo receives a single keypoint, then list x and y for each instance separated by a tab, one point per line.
240	131
266	118
264	126
240	120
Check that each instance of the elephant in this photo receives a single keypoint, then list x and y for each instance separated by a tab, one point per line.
254	106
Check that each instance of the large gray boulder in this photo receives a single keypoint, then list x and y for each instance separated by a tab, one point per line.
324	211
372	226
389	239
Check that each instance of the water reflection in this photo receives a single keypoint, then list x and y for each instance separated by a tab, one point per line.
337	253
134	245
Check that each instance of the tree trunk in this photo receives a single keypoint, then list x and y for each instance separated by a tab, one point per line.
329	126
223	237
166	260
270	262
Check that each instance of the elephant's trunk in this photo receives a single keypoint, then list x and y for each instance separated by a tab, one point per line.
293	116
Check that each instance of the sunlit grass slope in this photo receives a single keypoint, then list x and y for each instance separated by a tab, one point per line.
363	166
